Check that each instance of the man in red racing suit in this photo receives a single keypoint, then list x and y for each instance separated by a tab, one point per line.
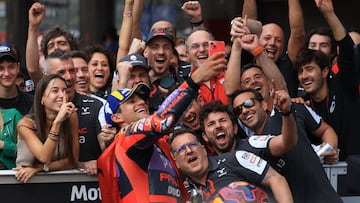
137	166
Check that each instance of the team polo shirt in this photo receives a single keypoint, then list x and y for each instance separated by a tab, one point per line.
89	126
228	169
300	165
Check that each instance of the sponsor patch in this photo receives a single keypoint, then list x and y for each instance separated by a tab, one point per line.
251	161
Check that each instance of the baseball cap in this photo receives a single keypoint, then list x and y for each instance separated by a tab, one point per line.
159	32
8	50
136	60
118	97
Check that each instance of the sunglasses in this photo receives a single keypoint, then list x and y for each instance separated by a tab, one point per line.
247	104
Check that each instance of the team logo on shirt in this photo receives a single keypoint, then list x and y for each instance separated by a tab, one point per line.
221	172
85	110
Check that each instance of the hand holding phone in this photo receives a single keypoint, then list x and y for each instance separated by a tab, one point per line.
216	46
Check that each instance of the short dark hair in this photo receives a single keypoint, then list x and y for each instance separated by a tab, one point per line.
307	55
57	32
249	66
79	54
213	107
256	94
325	31
59	54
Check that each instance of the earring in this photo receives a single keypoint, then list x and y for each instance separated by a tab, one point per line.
42	102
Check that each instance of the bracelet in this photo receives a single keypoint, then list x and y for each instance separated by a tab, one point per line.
195	24
53	137
54	133
127	14
256	52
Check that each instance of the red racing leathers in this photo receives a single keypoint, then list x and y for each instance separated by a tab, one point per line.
137	166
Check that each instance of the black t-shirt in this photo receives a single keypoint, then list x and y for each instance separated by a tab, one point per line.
341	107
23	102
300	165
286	68
89	126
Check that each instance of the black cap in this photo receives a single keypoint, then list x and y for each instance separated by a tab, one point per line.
8	50
136	60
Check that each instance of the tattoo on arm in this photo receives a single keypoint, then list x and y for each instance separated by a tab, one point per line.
269	174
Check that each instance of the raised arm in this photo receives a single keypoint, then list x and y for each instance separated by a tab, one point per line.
125	32
251	44
297	29
137	13
250	9
327	9
36	16
232	73
239	28
193	9
282	143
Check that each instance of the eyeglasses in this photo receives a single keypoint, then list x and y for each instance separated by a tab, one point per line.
191	145
247	104
196	46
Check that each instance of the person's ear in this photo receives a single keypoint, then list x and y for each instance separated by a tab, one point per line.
325	72
146	52
236	128
204	136
200	99
264	105
117	118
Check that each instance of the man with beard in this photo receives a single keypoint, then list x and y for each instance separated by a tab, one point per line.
214	177
159	52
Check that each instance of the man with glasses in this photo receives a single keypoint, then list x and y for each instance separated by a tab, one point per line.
197	45
215	177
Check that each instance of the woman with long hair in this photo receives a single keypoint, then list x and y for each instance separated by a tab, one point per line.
101	66
48	137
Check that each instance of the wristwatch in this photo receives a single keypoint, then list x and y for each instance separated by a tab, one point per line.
46	168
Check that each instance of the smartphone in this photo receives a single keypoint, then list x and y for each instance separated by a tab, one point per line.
216	46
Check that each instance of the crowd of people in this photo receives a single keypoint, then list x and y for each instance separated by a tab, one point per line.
162	120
